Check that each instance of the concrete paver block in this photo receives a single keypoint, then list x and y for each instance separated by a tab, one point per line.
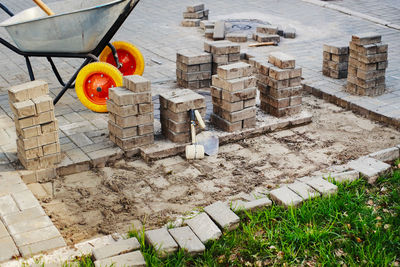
10	177
134	259
187	240
25	215
204	227
345	176
222	215
162	241
25	200
42	246
36	236
7	205
7	188
29	225
286	197
322	186
369	168
388	154
118	248
303	190
3	230
251	205
8	249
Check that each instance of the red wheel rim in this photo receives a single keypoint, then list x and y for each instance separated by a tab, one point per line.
96	87
126	59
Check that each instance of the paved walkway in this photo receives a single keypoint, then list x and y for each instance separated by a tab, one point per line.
154	28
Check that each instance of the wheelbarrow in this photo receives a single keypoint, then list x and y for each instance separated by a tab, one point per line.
79	29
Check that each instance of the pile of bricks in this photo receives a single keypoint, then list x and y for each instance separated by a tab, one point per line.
367	65
335	60
208	27
267	34
193	69
280	85
234	97
174	113
38	145
131	114
193	15
223	53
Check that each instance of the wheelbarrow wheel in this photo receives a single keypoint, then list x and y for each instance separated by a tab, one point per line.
128	55
93	82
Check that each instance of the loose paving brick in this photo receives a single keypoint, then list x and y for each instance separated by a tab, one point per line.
369	168
187	240
223	216
8	249
204	227
219	30
162	241
386	155
132	259
251	205
303	190
115	249
324	187
286	197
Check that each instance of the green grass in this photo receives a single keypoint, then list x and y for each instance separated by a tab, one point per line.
358	226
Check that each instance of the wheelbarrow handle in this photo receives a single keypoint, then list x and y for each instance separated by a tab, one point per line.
44	7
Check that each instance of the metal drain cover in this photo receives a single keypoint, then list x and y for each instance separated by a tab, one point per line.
248	26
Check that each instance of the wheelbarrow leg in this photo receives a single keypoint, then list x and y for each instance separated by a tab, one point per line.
71	81
30	70
115	55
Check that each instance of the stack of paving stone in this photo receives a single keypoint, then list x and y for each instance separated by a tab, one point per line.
223	52
38	144
335	60
208	27
367	65
193	15
280	85
233	96
131	113
174	113
267	34
193	69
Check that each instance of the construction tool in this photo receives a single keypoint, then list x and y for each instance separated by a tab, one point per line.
44	7
194	151
263	44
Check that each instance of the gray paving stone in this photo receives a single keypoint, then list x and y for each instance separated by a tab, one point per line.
36	236
118	248
324	187
134	259
8	188
223	216
369	168
259	203
204	227
24	215
389	154
7	205
286	197
187	240
162	241
3	230
219	30
11	177
345	176
8	250
25	200
42	246
303	190
29	225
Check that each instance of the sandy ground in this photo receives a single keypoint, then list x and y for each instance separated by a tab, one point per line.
110	199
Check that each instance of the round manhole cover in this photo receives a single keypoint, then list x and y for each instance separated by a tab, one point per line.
248	26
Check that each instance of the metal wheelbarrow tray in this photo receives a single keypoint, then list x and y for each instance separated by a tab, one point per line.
80	29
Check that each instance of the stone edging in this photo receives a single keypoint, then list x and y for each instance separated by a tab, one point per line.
218	217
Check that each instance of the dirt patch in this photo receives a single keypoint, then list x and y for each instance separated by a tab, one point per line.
108	200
